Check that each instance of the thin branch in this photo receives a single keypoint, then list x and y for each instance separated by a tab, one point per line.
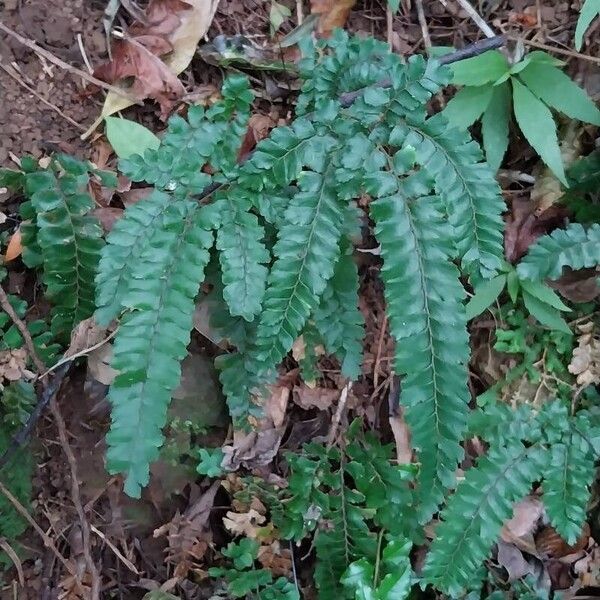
423	24
338	414
571	53
64	65
476	18
62	433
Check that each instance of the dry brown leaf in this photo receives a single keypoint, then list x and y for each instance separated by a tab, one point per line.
183	37
86	334
578	286
108	216
519	530
299	349
402	438
512	559
247	524
585	362
98	364
15	247
551	545
307	397
259	126
260	445
188	534
13	363
275	558
334	13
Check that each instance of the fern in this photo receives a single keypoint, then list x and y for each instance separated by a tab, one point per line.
60	236
285	222
428	323
485	498
574	247
153	338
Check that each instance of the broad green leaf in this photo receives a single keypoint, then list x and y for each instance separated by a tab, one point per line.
479	70
494	126
589	11
128	137
543	58
545	314
485	295
536	123
512	285
559	91
544	294
468	105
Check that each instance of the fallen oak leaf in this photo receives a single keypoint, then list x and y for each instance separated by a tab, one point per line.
247	524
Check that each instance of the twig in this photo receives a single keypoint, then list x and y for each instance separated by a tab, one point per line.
379	350
15	559
423	24
476	18
64	65
116	551
389	19
62	433
43	535
83	54
41	98
68	359
548	48
338	414
76	497
10	311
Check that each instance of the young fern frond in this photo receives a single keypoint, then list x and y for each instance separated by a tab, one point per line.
567	481
476	512
423	295
338	320
153	339
69	240
125	244
574	247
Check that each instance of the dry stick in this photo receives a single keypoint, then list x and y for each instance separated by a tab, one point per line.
43	535
62	433
41	98
548	48
64	65
423	24
476	18
338	414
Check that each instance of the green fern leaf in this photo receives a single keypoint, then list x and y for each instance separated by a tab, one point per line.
306	252
573	247
125	244
153	338
567	480
338	319
476	512
427	320
242	255
70	241
467	186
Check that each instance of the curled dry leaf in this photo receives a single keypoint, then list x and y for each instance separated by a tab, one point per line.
333	13
585	362
307	397
188	534
13	363
108	216
172	30
549	544
247	524
86	334
578	286
275	558
259	446
519	530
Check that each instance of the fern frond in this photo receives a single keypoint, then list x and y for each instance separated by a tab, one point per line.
69	238
124	245
567	481
466	185
338	320
475	513
306	252
427	320
574	247
243	256
153	338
